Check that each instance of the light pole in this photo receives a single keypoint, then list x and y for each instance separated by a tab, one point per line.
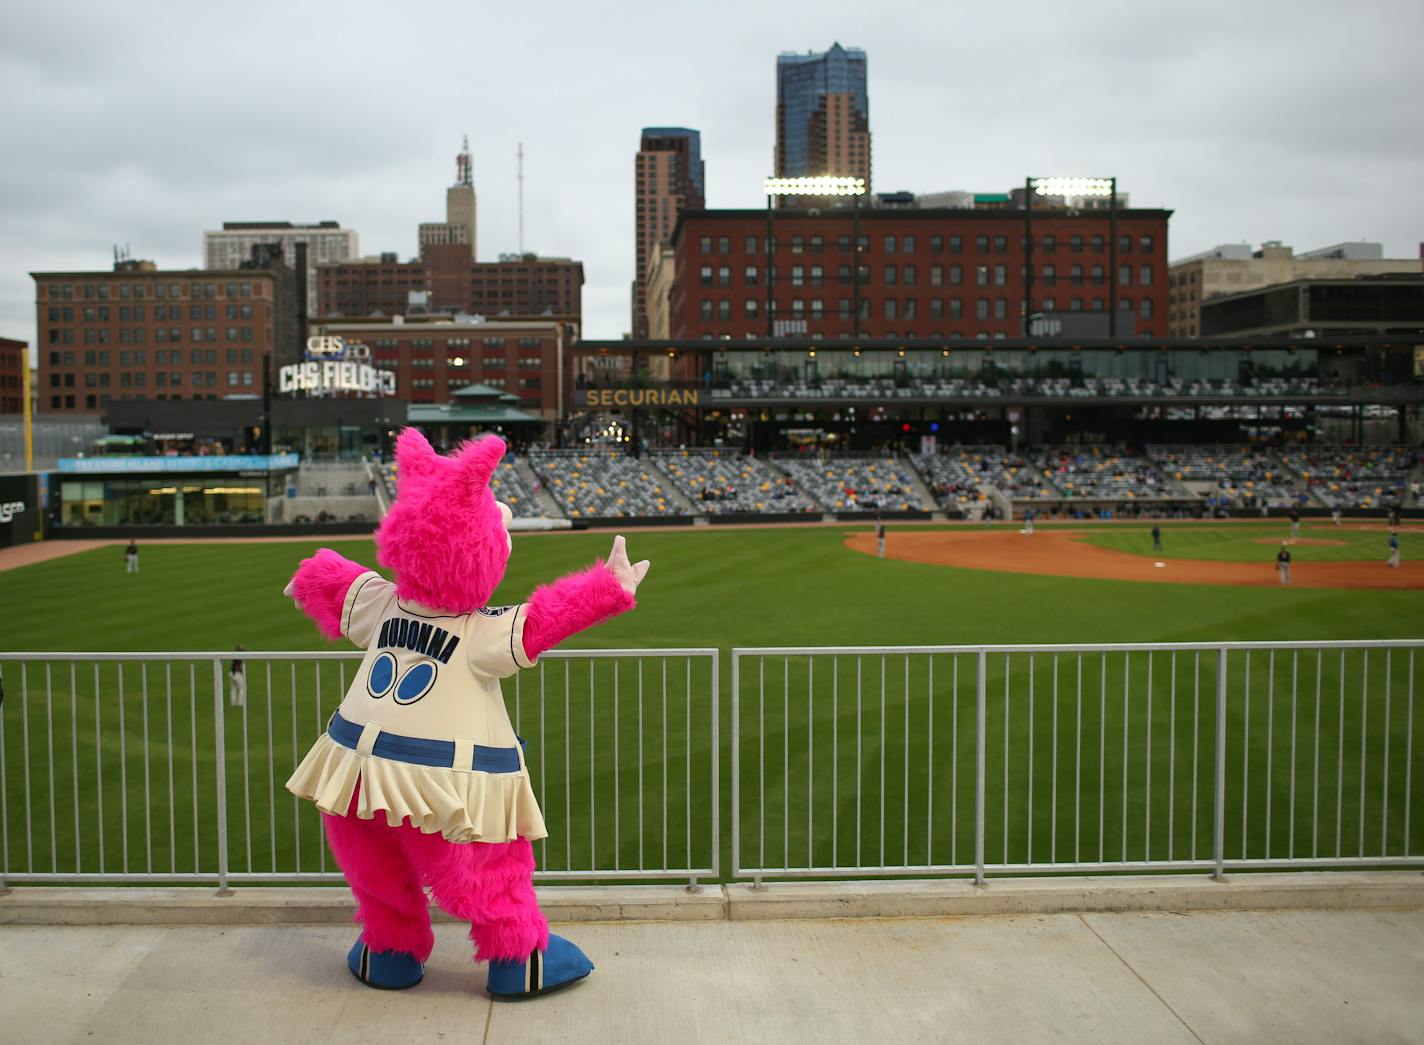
822	185
1068	188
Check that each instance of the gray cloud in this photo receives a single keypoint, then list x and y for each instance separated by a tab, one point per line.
145	123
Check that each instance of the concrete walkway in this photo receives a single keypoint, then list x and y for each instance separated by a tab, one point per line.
1211	976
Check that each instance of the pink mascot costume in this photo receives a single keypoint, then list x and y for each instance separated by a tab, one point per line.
419	774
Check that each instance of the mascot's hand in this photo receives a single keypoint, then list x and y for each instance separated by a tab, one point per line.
289	593
628	575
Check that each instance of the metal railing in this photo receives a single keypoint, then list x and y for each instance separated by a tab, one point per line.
866	761
139	768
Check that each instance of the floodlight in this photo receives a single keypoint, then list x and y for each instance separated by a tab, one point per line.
1060	186
823	185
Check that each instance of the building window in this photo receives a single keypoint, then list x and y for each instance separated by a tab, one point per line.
706	308
1124	244
910	272
750	275
981	244
1050	244
1144	244
891	275
798	275
751	308
817	275
1097	275
889	244
843	308
1144	275
724	244
936	275
818	245
1098	244
1144	308
1124	275
1076	305
724	309
1076	243
1001	275
1049	304
890	308
981	308
1001	244
706	244
751	245
956	275
1076	275
724	276
818	308
936	308
910	308
1001	309
798	245
842	244
705	275
907	245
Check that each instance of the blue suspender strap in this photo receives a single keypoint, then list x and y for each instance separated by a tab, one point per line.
421	752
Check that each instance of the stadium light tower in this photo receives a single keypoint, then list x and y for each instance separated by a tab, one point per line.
821	185
1070	188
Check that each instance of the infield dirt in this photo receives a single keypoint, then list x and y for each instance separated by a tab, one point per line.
1064	553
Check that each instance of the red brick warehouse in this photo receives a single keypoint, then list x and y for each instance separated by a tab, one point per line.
924	272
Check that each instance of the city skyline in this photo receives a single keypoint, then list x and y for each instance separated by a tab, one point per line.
117	134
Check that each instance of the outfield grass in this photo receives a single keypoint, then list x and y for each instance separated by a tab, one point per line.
725	588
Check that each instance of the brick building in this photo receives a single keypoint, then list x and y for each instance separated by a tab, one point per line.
924	273
141	333
434	356
527	286
14	358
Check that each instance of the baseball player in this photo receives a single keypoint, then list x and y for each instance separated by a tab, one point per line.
1295	522
1393	549
237	683
879	538
1156	538
1283	559
131	557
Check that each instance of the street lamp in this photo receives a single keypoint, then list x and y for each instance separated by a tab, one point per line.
1070	187
820	185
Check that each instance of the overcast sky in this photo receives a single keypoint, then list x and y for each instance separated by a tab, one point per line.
144	123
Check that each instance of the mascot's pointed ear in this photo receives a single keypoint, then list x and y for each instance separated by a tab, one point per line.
415	458
477	461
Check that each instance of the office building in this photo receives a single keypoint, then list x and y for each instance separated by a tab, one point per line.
326	241
458	228
822	114
669	178
1234	268
14	359
142	333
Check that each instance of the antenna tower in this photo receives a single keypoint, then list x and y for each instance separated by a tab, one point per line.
520	155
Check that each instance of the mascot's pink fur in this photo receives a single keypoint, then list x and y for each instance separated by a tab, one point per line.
446	540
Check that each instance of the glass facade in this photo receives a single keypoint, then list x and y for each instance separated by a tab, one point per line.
801	82
170	500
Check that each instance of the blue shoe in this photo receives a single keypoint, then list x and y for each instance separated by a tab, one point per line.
543	971
388	970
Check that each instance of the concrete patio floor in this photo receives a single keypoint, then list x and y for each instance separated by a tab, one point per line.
1208	976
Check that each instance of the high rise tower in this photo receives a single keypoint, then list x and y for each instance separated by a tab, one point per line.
459	223
669	178
823	114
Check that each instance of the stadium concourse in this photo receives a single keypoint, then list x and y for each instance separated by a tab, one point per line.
965	482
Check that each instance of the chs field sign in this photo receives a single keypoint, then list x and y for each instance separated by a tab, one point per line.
334	365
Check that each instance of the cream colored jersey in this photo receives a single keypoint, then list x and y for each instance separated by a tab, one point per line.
427	676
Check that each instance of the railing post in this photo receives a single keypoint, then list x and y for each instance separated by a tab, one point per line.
221	760
736	767
979	749
1218	844
716	769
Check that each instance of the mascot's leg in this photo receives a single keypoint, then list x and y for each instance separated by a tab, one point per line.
390	904
491	886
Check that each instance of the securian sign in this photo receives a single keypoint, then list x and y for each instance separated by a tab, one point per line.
640	396
10	509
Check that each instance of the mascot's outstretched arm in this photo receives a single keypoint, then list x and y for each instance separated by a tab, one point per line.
581	600
319	587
